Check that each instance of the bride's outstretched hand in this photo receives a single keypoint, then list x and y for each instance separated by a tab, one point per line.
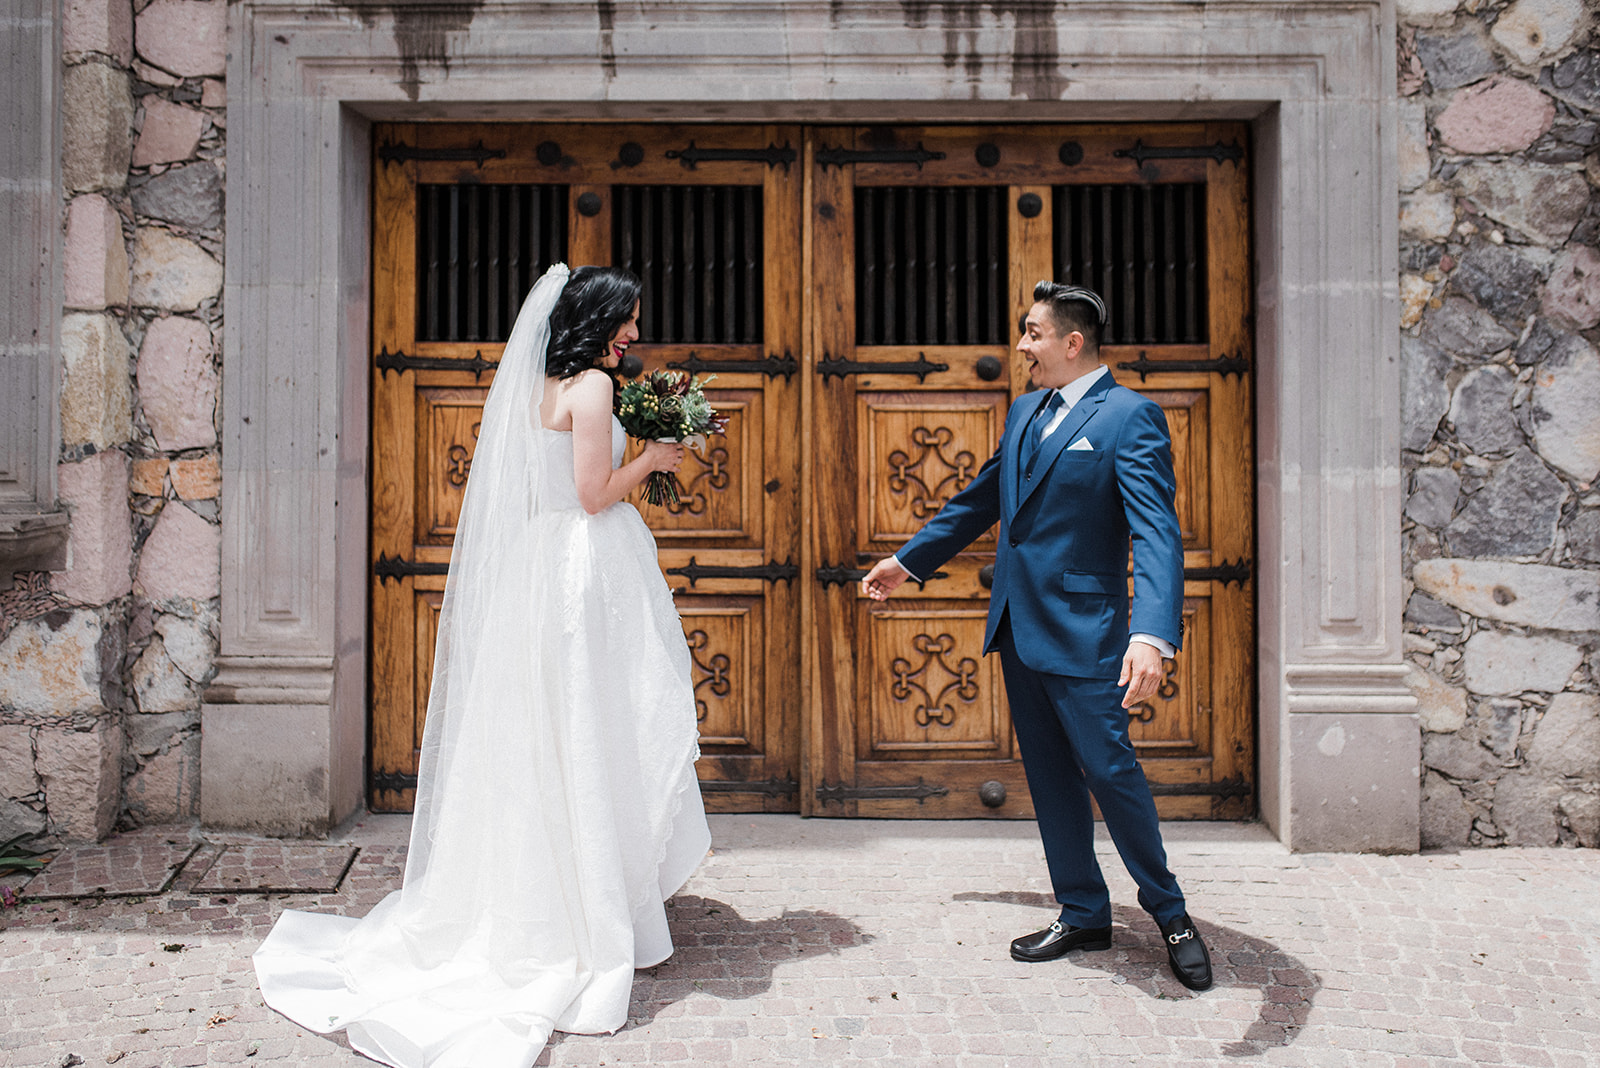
662	455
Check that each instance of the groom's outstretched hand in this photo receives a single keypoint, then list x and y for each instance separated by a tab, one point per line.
883	579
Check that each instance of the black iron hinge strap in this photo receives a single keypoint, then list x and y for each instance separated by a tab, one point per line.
838	157
922	367
477	153
840	793
1227	572
772	155
787	571
773	366
387	361
393	781
394	567
773	787
1223	365
840	575
1234	787
1219	152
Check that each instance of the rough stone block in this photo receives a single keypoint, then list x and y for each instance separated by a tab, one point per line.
181	559
198	479
149	476
1424	398
1480	411
1415	161
265	768
97	128
213	93
51	665
1415	292
94	258
1572	297
1433	499
1525	806
81	773
1502	114
1501	280
171	273
186	37
1424	11
170	134
167	785
1428	215
1513	514
1575	80
149	734
103	26
1460	326
17	777
100	544
158	685
1441	707
178	383
1446	816
1507	664
1534	30
1539	201
1529	595
1566	741
1425	612
96	398
17	818
189	196
189	644
1356	782
1565	412
1455	57
1583	536
1582	813
1458	755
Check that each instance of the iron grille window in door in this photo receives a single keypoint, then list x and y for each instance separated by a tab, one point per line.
480	248
698	251
1142	248
930	266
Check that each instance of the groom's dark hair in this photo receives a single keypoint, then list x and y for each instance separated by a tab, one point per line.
594	303
1074	308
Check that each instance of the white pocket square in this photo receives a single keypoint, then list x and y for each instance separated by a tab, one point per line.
1081	445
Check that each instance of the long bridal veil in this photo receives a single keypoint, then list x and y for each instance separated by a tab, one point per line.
554	768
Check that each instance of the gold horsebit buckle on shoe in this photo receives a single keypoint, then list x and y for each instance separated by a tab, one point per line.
1056	927
1175	939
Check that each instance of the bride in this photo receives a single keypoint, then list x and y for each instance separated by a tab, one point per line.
556	804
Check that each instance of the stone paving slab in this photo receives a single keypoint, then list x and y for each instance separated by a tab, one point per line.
137	864
836	942
277	869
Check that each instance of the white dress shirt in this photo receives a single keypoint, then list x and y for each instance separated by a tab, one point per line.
1071	394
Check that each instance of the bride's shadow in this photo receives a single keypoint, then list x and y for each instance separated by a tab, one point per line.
719	952
1288	987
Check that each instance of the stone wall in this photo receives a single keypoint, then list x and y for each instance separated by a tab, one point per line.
1500	290
101	664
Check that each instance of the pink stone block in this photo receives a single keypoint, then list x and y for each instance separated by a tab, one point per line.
178	383
104	26
1501	114
171	132
100	545
95	259
186	37
181	559
1572	297
82	782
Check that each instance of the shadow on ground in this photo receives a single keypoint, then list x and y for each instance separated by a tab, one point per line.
719	952
1138	958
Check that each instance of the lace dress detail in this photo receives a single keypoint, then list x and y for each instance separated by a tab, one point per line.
533	910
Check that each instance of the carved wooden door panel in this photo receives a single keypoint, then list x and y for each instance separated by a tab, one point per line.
933	239
465	219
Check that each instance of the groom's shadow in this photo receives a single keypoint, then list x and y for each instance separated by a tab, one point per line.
719	952
1288	987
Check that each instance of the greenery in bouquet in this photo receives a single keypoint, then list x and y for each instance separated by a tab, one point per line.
667	406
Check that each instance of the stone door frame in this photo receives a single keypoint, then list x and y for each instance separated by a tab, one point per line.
284	724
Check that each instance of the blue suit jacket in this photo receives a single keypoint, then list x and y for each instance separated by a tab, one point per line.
1061	565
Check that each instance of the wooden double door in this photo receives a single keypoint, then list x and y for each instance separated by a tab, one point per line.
856	291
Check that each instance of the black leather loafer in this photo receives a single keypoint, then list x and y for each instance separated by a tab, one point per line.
1191	963
1057	939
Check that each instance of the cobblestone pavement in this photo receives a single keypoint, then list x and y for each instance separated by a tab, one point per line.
830	941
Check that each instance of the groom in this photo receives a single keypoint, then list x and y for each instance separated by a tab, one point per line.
1083	466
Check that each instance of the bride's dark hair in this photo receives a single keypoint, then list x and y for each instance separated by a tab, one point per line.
595	302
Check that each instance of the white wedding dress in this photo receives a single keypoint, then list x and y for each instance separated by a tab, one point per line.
557	805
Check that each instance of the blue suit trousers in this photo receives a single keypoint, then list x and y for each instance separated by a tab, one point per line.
1074	738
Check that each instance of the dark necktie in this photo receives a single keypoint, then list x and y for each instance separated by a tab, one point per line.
1035	434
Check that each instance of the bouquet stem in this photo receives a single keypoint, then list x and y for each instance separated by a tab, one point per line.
662	488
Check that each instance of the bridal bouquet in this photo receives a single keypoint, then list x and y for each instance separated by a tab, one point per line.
668	406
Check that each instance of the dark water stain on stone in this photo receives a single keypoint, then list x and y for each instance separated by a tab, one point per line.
421	31
1035	57
607	10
